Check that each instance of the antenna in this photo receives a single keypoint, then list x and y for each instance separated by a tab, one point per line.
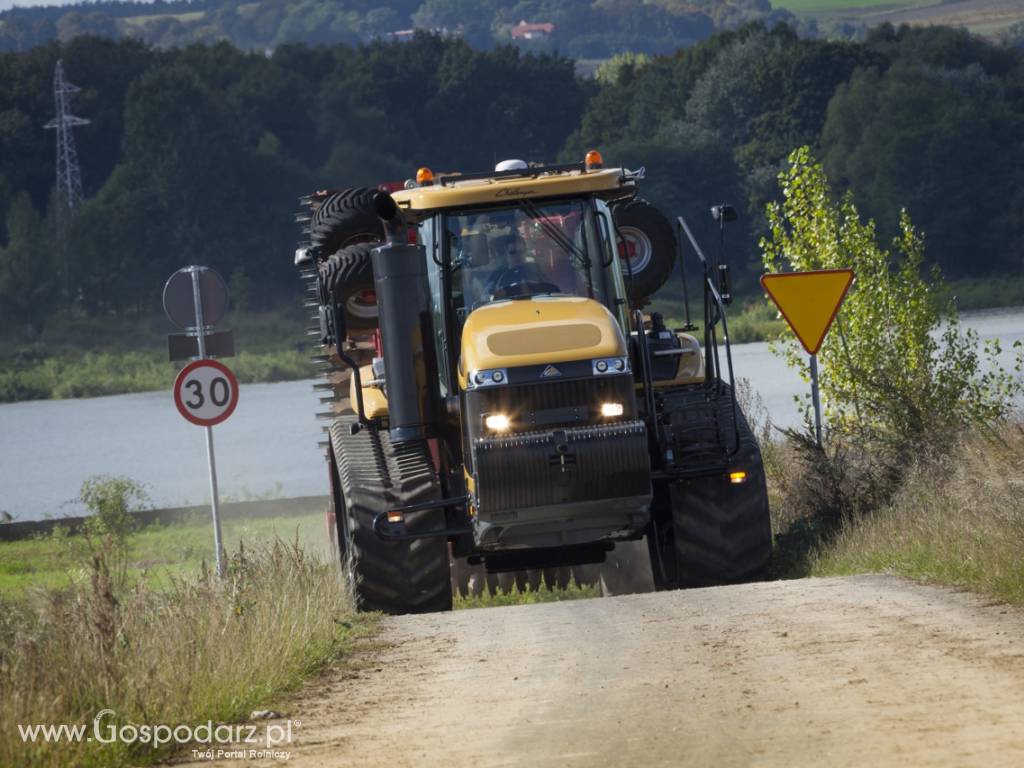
69	174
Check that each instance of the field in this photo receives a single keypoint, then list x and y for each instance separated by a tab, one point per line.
847	6
140	21
984	17
156	554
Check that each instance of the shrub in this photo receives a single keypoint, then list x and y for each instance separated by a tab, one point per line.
898	368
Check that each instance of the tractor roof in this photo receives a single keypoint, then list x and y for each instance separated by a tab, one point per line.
501	187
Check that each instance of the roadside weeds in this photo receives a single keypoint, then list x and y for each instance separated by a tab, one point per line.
197	650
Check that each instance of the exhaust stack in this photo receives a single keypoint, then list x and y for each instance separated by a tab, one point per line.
403	303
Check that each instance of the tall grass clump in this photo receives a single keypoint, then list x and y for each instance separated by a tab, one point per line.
902	382
958	520
196	649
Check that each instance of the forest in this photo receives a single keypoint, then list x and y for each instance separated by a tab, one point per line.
198	154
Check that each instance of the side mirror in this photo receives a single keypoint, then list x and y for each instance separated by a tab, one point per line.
723	213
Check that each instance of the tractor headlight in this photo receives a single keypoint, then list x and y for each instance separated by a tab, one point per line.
487	378
609	410
497	422
605	365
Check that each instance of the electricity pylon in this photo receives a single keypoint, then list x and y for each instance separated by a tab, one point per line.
69	174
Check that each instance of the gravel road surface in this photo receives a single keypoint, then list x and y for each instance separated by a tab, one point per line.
867	670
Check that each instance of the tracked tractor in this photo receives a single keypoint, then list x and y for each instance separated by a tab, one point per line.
510	402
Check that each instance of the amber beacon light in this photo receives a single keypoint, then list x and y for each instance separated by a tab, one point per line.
593	161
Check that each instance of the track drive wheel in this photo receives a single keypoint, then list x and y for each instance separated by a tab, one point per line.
374	476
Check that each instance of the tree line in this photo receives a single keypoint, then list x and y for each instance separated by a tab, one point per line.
198	154
581	28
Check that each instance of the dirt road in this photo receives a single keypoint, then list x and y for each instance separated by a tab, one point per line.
867	670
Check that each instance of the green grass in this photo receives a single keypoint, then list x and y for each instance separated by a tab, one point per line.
516	596
960	523
988	293
87	357
144	19
750	319
180	649
157	553
956	521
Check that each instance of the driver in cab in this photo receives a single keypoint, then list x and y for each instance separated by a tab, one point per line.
517	273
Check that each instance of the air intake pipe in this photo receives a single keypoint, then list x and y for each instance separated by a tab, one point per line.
403	304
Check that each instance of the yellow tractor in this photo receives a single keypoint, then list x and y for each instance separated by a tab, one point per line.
511	405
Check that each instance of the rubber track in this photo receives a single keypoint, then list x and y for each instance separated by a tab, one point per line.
375	476
723	532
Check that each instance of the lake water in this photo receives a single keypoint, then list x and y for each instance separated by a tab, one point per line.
269	445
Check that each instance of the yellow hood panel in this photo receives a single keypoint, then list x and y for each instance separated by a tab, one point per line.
545	329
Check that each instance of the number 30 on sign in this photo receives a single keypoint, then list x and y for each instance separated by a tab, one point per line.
206	392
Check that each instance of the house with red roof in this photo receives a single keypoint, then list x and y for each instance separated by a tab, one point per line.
525	31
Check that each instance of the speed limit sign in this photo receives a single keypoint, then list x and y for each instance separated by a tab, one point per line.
206	392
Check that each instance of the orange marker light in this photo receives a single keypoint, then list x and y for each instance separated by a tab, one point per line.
424	176
593	161
737	477
396	517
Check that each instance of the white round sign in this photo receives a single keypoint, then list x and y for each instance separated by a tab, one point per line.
206	392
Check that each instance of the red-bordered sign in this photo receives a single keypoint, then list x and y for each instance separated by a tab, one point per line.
206	392
809	301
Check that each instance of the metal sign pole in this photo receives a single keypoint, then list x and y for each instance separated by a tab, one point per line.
816	399
214	496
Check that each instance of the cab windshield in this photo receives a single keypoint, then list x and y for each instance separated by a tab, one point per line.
518	252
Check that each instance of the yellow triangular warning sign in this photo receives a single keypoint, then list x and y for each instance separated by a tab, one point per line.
809	301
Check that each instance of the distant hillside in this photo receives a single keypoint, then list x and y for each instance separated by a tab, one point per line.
997	19
199	153
581	29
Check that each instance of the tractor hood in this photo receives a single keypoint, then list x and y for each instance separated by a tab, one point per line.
542	329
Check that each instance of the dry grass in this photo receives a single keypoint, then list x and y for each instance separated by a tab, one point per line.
957	521
199	650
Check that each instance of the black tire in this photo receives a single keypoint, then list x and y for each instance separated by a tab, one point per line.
374	476
348	275
651	238
722	532
345	218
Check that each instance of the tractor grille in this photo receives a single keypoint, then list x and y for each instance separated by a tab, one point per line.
551	404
